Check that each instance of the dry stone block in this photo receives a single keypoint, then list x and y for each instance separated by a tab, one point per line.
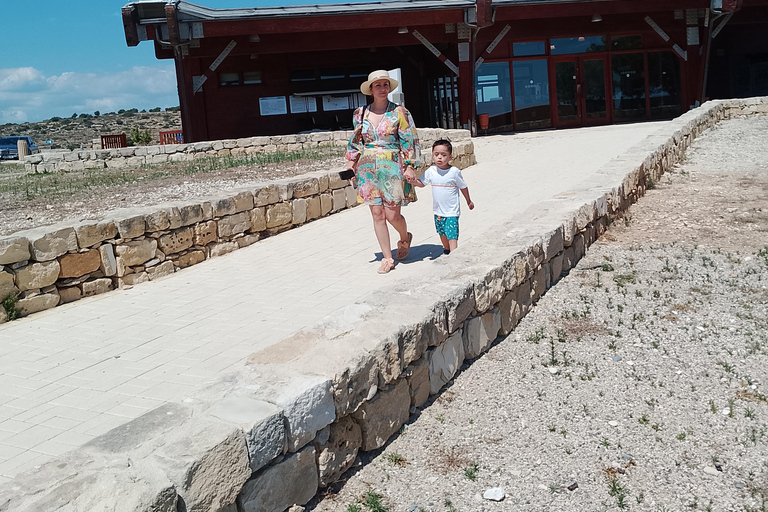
41	302
266	195
96	287
69	294
133	279
190	214
37	275
158	221
556	268
258	219
3	316
243	201
224	206
552	243
444	361
91	233
137	252
176	241
49	245
383	415
306	187
79	264
131	227
307	404
326	203
510	312
221	249
7	286
246	240
234	224
355	384
14	249
190	258
389	361
205	233
339	200
108	264
418	382
459	306
161	270
337	450
262	422
351	196
539	284
292	481
313	208
413	342
479	333
299	211
279	215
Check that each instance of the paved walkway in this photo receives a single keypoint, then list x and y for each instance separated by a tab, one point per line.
74	372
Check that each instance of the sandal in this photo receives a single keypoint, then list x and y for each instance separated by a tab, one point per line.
403	247
387	264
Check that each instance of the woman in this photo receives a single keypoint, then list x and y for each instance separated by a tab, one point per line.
384	149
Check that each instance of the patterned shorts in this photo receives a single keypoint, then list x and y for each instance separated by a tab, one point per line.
447	227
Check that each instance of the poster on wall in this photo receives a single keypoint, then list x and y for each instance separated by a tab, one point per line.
273	106
331	103
303	104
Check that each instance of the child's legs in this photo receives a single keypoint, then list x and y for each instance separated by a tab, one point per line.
446	243
451	228
440	228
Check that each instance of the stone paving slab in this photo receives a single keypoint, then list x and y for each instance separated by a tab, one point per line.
72	373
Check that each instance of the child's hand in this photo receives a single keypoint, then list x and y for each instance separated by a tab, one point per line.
471	205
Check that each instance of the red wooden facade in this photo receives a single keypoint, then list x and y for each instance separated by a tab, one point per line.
531	64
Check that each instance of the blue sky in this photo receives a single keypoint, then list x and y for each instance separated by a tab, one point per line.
60	57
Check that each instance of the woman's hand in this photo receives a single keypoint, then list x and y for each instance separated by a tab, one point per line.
409	175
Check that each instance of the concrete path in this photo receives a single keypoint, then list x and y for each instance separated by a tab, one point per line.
74	372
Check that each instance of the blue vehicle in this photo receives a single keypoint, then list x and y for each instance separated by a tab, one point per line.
9	149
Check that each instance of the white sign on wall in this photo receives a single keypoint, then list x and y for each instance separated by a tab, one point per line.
273	106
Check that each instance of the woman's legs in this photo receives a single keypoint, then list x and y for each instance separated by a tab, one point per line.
381	215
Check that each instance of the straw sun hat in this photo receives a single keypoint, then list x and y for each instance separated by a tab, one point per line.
379	74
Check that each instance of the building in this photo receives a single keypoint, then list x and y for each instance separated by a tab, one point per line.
526	64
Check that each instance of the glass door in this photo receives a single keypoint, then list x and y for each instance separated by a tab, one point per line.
580	91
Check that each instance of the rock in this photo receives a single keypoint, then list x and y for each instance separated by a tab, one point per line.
7	286
417	376
337	453
164	269
613	423
382	416
79	264
96	287
222	248
573	486
37	275
243	201
137	252
176	241
108	265
41	302
262	423
711	471
48	243
92	232
445	360
14	249
299	211
617	358
131	226
494	494
279	214
258	219
234	224
190	258
292	481
70	294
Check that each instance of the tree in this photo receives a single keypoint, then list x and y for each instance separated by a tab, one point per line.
96	114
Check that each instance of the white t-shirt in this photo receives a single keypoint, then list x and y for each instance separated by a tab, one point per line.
445	189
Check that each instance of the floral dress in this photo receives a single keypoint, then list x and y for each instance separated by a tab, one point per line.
382	153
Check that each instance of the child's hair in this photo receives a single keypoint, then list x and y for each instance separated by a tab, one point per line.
443	142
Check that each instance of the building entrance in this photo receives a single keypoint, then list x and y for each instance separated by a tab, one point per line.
580	91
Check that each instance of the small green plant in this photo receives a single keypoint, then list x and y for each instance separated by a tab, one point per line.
605	442
537	336
448	504
470	472
681	436
440	418
10	305
373	501
353	508
606	267
749	413
140	137
712	406
395	459
618	491
643	420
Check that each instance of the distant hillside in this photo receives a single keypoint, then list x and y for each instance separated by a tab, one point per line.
81	129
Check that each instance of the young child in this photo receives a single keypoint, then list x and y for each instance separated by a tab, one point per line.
446	181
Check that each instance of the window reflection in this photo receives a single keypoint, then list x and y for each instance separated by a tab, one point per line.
494	96
664	85
628	87
529	49
569	45
531	94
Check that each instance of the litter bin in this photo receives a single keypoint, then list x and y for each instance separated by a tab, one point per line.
23	148
482	120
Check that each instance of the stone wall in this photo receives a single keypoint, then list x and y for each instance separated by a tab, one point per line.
264	439
136	156
53	265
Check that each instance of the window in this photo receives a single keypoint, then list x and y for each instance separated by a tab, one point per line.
528	49
494	96
619	43
358	72
664	85
330	74
227	79
628	87
252	77
570	45
531	94
302	75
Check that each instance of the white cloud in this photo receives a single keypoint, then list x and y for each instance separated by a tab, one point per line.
26	94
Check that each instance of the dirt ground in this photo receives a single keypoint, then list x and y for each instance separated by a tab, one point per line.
638	382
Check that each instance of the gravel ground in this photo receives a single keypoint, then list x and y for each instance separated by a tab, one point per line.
638	382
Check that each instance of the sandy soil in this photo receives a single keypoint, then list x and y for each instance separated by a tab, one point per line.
638	382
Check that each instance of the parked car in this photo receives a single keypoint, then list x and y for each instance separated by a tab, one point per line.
9	149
